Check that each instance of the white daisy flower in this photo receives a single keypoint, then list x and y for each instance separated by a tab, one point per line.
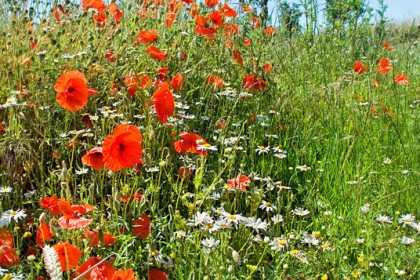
382	219
407	219
12	214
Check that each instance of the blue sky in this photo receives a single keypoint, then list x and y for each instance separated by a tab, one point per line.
398	10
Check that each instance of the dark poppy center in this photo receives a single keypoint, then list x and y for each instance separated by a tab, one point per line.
70	89
76	214
122	146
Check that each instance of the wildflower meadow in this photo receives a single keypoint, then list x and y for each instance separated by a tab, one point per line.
188	139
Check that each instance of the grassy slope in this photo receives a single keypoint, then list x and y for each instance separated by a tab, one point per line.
317	114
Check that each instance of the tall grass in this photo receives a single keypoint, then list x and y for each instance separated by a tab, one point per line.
350	150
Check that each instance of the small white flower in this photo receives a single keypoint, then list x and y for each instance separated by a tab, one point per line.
206	147
407	219
262	149
200	218
82	171
303	167
360	240
299	255
5	190
255	223
277	219
233	219
387	161
406	240
365	208
416	226
152	169
267	206
352	182
279	243
309	240
300	212
210	226
279	149
180	234
280	156
210	244
326	246
382	219
223	224
12	214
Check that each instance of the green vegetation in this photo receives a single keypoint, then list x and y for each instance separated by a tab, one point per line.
312	165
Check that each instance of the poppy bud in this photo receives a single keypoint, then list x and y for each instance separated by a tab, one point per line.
221	123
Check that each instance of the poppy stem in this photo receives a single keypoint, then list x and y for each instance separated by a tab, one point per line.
91	268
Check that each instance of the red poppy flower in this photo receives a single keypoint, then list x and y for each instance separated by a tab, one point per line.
184	172
8	256
123	148
115	12
87	120
211	3
124	275
155	53
94	240
240	182
94	158
247	42
175	5
384	66
141	226
228	11
231	29
164	102
269	31
267	68
146	36
68	255
56	14
50	203
104	271
127	198
214	80
253	82
73	215
169	19
193	9
100	19
203	27
72	91
221	123
237	57
156	274
93	4
247	8
43	234
190	143
359	68
401	79
131	81
145	81
255	21
177	82
6	238
216	17
387	46
109	55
